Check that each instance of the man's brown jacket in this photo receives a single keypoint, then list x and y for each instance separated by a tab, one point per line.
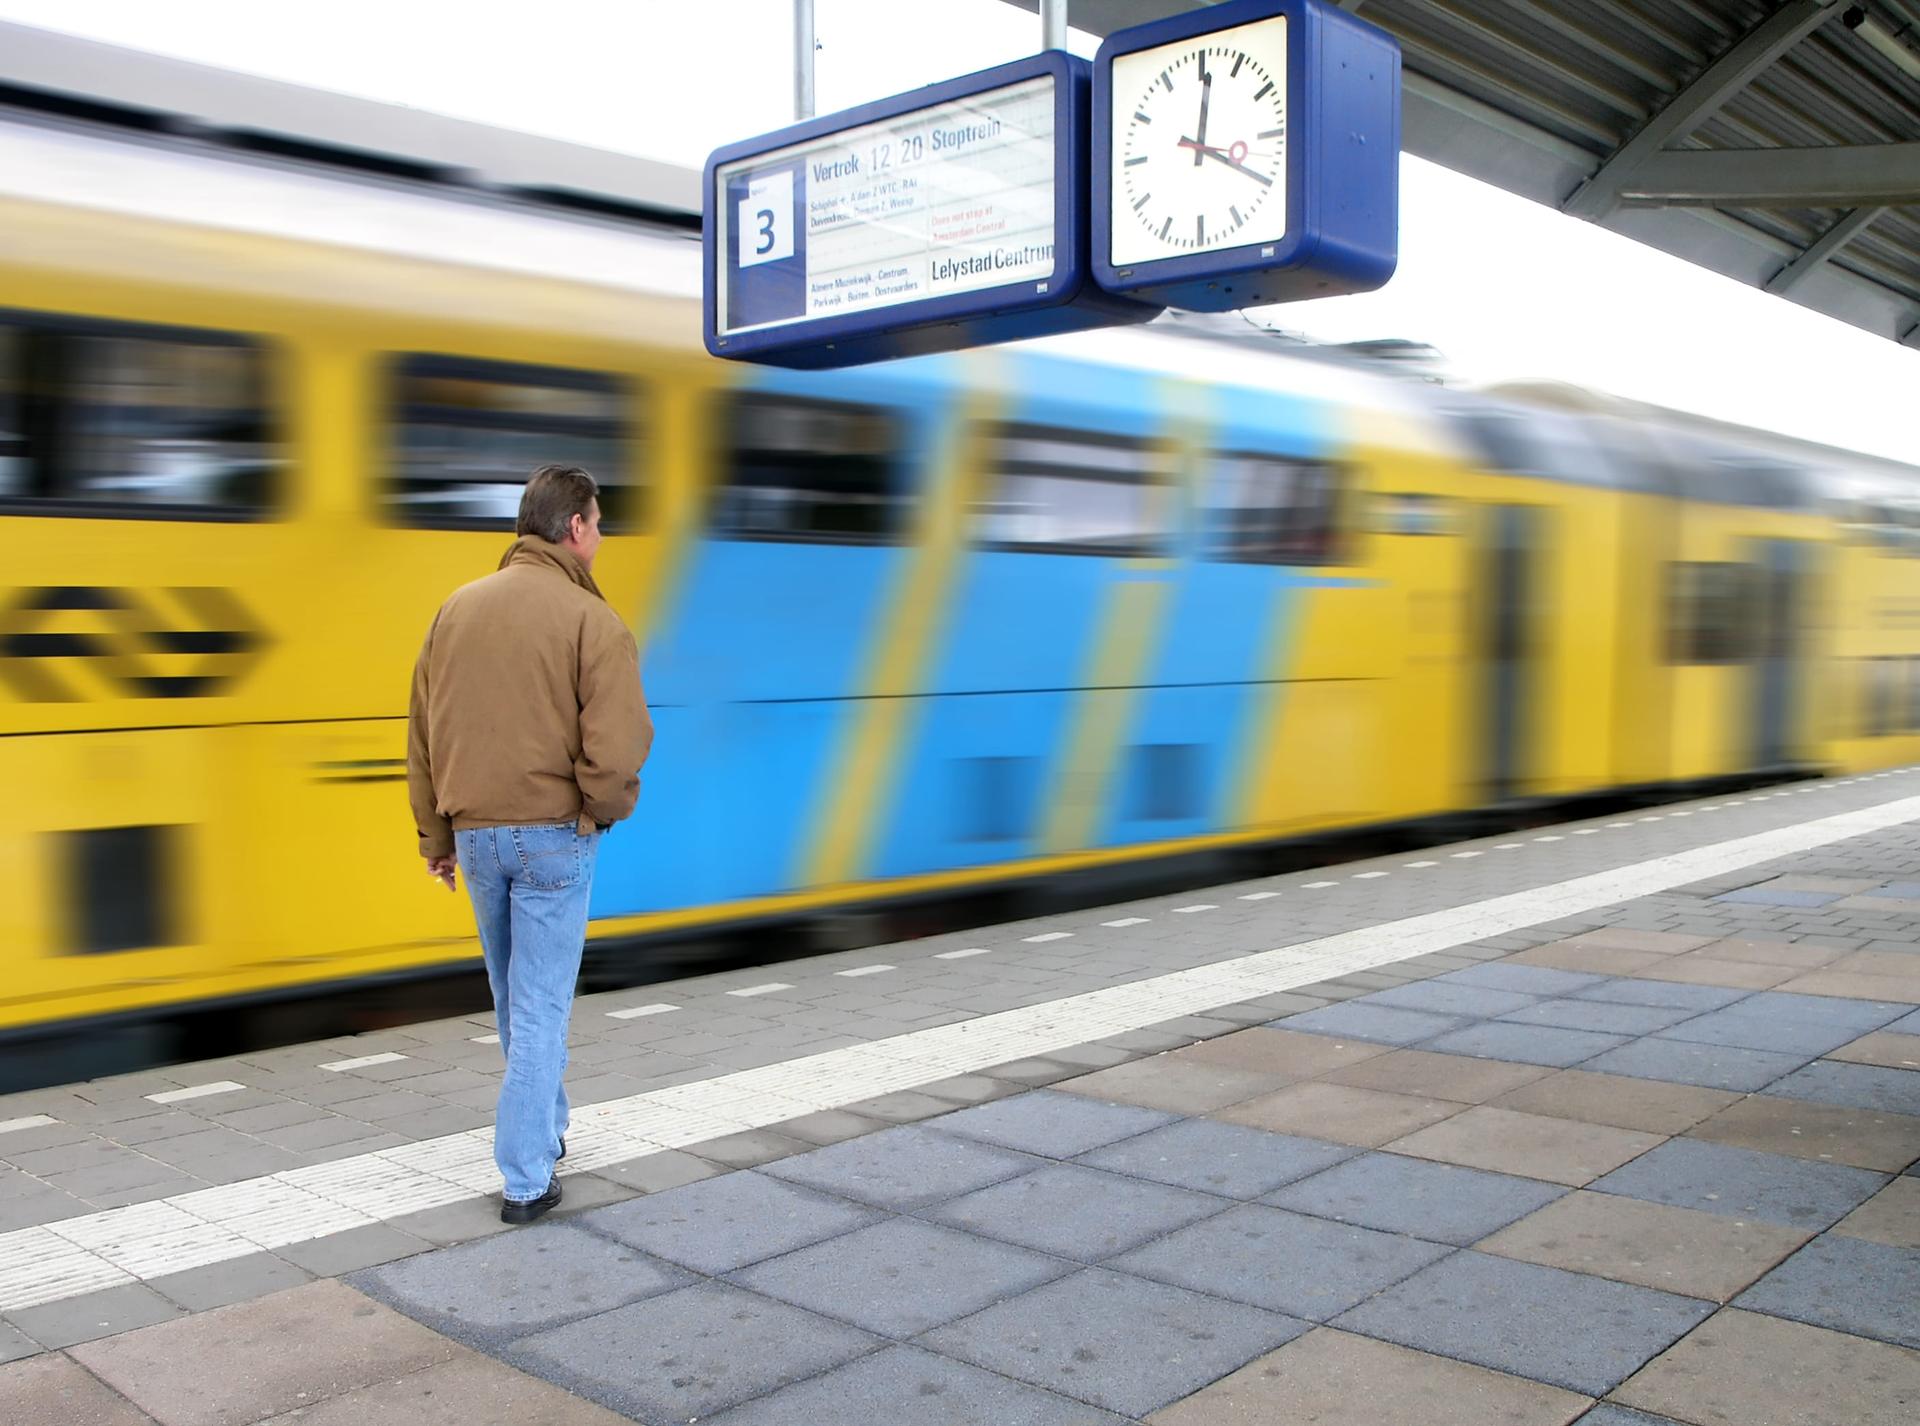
526	704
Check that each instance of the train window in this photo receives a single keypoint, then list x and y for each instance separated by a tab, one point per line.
111	419
123	883
1542	443
1714	613
1267	509
1073	492
1884	689
824	472
468	433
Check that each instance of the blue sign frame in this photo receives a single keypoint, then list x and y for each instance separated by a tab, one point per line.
1342	175
1070	301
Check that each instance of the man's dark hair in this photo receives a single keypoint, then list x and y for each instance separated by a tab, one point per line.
552	498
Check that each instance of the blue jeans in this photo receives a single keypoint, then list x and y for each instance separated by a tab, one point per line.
529	887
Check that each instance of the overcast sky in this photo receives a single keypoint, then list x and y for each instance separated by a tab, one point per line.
1505	287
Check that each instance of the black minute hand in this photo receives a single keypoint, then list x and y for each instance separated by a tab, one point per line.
1206	93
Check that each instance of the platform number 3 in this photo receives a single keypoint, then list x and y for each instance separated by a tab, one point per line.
765	220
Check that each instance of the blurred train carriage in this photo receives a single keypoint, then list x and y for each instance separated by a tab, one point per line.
933	624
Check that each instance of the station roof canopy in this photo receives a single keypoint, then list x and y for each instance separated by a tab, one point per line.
1777	143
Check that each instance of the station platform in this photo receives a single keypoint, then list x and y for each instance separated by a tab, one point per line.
1614	1122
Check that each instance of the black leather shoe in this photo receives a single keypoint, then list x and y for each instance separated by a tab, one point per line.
513	1210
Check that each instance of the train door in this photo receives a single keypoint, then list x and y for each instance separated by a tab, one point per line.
1507	637
1780	568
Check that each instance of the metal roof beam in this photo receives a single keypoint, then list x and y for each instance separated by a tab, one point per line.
1845	177
1748	58
1830	242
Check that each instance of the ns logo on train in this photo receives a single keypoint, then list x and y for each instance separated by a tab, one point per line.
59	643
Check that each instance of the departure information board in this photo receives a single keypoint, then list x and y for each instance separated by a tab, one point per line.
950	216
948	199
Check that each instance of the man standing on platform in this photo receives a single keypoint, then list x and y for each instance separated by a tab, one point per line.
525	735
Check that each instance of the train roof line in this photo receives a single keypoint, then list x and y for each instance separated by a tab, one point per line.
67	79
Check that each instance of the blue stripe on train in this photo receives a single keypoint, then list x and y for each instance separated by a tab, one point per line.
986	746
982	751
1180	773
752	670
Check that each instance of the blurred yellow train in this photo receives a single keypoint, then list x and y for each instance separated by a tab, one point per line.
930	625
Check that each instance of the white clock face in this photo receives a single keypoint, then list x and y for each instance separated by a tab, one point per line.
1200	144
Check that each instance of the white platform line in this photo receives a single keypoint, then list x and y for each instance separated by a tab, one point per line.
485	1039
1509	846
1415	866
1046	936
79	1255
767	989
1549	839
339	1065
195	1091
634	1012
969	951
1462	856
1191	910
1368	875
31	1121
863	970
1125	921
1320	885
1259	895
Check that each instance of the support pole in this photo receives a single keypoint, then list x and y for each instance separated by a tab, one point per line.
1053	24
803	42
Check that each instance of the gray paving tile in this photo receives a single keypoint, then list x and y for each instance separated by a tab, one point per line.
1448	1203
1285	1262
1083	1336
1767	896
1848	1284
901	1277
1075	1212
356	1248
1378	1024
237	1280
15	1344
94	1314
1906	1024
1895	1091
654	1173
489	1292
1052	1123
453	1222
1526	1044
1449	998
1567	1329
905	1167
1807	1025
725	1223
691	1353
1607	1017
1743	1183
1528	980
1228	1159
751	1148
1610	1415
1676	994
1688	1062
906	1386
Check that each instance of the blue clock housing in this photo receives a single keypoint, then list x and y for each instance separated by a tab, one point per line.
792	190
1342	166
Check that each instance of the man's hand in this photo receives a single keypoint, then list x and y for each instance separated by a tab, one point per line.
442	867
